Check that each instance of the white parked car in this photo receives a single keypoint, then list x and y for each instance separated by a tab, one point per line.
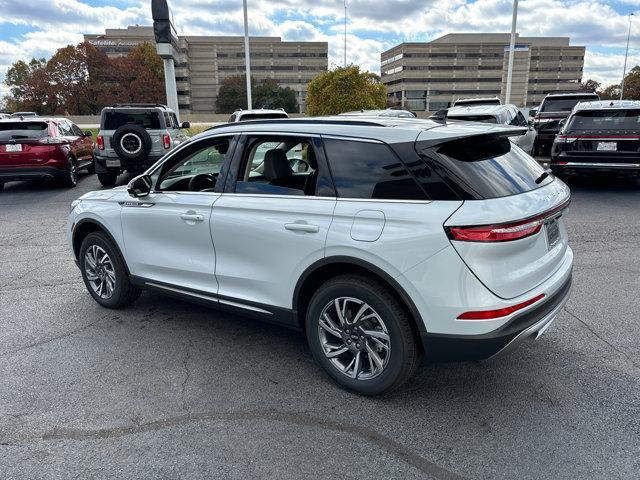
500	114
401	238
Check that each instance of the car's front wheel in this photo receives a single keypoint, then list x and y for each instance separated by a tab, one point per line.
104	272
361	335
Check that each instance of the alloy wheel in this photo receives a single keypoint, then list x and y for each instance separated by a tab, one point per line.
354	338
99	271
73	172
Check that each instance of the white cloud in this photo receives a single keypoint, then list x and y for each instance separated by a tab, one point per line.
373	26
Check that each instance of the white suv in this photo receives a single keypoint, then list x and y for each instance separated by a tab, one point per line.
394	238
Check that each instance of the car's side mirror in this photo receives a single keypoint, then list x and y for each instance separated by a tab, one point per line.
186	125
88	133
532	112
140	186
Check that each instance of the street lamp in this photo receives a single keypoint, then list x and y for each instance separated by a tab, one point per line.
246	55
345	33
507	97
626	53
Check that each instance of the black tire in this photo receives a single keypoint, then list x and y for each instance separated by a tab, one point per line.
124	293
70	178
131	142
107	179
91	168
404	356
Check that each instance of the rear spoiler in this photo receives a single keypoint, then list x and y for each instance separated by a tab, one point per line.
468	136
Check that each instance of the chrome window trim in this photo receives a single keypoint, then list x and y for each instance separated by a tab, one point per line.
598	164
352	139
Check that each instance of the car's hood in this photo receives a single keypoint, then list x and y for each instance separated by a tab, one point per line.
103	194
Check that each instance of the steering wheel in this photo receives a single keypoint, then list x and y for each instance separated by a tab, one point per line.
201	182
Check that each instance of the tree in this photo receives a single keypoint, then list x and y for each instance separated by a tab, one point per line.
590	86
345	89
632	84
267	94
612	92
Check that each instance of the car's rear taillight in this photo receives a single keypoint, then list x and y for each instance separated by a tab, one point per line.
496	233
503	232
500	312
565	139
100	142
166	140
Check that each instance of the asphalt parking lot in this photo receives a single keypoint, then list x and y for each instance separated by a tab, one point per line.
166	389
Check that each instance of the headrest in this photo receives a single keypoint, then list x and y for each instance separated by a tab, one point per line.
311	158
276	165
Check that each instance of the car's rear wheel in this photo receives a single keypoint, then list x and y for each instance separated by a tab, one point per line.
70	178
361	335
107	179
104	272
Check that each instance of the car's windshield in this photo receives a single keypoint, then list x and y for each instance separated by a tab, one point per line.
22	130
148	120
605	120
475	118
563	104
260	116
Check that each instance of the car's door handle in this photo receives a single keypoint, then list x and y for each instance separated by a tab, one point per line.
302	227
192	217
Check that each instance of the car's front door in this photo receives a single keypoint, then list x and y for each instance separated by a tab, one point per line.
167	234
271	222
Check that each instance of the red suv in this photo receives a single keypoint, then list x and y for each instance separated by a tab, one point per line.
43	148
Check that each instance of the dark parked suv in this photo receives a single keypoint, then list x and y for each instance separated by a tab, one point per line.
133	137
554	108
35	148
599	137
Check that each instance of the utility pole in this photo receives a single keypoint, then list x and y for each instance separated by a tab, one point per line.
163	32
247	61
345	33
512	43
626	53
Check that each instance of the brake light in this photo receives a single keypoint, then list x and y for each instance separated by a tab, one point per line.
504	232
499	313
100	142
496	233
166	140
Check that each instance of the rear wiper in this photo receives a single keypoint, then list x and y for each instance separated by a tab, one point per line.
544	175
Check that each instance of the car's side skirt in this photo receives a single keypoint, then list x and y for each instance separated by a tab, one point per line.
268	313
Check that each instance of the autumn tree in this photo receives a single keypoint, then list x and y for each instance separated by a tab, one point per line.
345	89
590	86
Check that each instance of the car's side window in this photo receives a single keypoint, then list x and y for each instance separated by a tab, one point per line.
64	129
370	171
76	130
278	166
196	169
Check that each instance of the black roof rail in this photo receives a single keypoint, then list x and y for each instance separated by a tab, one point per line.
144	105
300	121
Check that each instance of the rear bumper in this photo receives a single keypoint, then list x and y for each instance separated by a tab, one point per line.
102	163
529	325
584	165
30	173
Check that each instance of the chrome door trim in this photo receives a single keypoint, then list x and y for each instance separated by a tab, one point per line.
181	291
243	306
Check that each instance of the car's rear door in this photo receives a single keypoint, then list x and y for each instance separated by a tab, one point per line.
267	231
167	234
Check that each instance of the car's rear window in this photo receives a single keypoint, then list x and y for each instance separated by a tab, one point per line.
148	120
260	116
565	104
475	118
22	130
486	166
605	120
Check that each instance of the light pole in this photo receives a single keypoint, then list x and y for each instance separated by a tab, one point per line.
345	33
246	55
507	97
626	53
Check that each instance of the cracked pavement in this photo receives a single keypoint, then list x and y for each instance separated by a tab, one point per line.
167	389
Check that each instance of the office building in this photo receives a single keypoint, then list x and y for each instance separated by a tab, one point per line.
202	63
428	76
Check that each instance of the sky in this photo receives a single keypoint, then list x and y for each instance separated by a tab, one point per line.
37	28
